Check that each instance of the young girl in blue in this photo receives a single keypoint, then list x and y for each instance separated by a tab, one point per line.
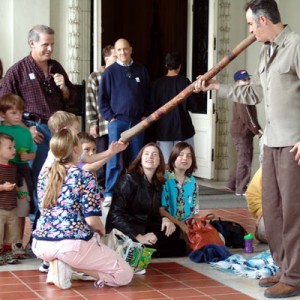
180	192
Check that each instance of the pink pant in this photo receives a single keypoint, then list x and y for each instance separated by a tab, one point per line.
90	255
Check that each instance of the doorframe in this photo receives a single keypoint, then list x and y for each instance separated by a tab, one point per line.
97	41
205	124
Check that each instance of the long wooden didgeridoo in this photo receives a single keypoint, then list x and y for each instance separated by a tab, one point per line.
127	135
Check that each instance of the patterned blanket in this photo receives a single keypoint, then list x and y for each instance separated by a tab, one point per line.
259	266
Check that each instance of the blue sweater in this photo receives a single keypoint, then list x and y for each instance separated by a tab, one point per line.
124	92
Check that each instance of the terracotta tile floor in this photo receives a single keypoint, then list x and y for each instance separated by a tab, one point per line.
177	278
165	280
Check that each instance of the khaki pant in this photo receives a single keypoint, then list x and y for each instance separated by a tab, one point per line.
9	227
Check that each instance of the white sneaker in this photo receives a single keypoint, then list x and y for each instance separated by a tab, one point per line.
139	271
44	267
49	279
61	274
107	201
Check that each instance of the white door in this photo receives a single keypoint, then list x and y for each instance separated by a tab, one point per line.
204	123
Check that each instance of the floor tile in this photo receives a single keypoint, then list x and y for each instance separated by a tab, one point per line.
170	278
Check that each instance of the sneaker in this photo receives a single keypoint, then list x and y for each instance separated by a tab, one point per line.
239	194
140	271
2	257
82	276
18	251
49	279
44	267
107	201
11	258
61	274
99	284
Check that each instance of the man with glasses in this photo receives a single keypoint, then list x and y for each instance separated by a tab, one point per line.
43	84
123	101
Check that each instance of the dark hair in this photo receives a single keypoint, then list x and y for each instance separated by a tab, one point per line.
4	136
10	101
106	51
173	60
267	8
34	32
136	167
176	152
85	137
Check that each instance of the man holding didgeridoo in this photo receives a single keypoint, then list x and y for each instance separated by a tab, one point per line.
277	81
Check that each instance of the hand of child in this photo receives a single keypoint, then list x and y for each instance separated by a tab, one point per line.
168	226
36	135
23	156
118	146
7	186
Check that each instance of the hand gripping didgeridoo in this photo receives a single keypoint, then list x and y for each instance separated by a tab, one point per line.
127	135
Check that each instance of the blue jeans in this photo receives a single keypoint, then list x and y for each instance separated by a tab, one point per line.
113	168
41	153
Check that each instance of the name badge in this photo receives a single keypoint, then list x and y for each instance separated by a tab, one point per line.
137	79
31	76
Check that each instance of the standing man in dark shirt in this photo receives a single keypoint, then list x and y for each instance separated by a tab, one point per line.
44	86
123	101
176	126
244	126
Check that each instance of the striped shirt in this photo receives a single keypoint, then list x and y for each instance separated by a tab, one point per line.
8	199
92	108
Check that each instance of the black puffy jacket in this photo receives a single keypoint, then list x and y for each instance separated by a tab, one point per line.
135	205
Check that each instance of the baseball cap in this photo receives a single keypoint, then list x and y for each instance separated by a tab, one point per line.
241	75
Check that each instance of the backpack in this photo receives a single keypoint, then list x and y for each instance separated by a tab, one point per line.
232	232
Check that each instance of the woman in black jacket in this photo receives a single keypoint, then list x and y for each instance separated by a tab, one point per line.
136	201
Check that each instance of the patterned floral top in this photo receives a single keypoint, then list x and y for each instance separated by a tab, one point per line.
181	201
79	198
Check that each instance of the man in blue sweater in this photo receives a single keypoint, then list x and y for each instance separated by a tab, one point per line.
123	101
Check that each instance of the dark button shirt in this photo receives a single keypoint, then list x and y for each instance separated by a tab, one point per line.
41	95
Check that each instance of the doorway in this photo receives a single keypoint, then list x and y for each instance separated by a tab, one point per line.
153	28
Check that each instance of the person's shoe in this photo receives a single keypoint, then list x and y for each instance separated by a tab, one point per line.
139	271
240	194
281	290
82	276
44	267
11	258
107	201
18	251
61	274
49	279
99	284
2	257
268	281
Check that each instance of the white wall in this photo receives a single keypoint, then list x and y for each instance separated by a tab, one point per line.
16	19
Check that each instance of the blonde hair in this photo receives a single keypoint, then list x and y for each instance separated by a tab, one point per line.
62	145
61	119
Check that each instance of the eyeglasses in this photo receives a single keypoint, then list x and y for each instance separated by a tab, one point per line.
47	87
127	72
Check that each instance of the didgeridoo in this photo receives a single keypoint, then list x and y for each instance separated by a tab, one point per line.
127	135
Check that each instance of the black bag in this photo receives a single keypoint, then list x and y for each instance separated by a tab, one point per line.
232	232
